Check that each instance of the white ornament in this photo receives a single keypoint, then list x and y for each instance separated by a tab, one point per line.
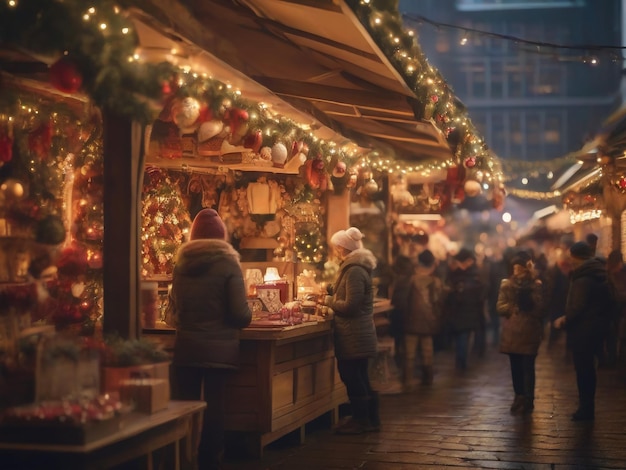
209	129
185	113
279	154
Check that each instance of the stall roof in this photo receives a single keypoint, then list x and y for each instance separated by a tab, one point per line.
314	55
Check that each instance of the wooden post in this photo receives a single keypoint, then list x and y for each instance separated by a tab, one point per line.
123	174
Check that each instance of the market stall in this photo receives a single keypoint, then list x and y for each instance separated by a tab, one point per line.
167	116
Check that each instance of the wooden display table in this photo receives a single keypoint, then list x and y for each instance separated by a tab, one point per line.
287	377
175	430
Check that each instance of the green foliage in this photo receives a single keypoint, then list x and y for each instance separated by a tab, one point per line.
132	352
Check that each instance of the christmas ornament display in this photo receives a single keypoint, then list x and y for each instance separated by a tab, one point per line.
65	75
339	178
279	154
185	113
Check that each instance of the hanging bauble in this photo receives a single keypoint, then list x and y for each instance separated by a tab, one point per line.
253	140
65	75
472	188
12	189
50	230
6	147
72	262
279	154
339	177
470	162
185	113
237	120
621	183
40	140
209	129
316	173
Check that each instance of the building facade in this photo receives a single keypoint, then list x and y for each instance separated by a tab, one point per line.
529	99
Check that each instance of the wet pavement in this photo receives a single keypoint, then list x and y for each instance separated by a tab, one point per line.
462	421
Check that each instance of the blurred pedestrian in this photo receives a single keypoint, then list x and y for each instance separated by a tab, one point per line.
588	305
464	303
403	269
354	332
422	320
208	302
556	287
616	336
520	303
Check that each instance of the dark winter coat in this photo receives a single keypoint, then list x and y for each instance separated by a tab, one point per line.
353	306
588	306
465	299
522	330
403	269
425	299
209	302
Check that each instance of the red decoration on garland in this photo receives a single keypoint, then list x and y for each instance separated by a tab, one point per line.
316	174
40	140
622	182
434	98
65	75
470	162
6	147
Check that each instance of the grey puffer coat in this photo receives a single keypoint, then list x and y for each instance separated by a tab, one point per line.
522	331
209	302
589	305
425	303
353	304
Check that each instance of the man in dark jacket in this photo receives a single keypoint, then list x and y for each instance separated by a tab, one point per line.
464	302
586	313
208	300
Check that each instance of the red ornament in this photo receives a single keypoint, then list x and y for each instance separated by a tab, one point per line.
40	140
622	182
253	141
434	98
470	162
65	75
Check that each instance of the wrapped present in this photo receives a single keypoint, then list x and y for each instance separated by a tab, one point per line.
145	395
112	377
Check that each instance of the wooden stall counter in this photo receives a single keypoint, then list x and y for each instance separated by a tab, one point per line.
173	432
287	378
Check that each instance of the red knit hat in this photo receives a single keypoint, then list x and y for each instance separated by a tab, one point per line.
207	224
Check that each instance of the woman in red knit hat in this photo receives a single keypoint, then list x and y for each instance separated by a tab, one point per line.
208	301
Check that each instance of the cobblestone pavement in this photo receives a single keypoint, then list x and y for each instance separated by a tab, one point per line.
462	421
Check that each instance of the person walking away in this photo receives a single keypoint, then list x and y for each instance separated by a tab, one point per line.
464	303
403	269
520	303
556	288
354	332
422	321
208	301
586	311
616	337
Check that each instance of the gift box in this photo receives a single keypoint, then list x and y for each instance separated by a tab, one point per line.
147	395
112	377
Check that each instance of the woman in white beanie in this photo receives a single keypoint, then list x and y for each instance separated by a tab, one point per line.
208	300
354	330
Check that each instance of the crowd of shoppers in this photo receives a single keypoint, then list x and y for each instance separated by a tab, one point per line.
459	298
581	295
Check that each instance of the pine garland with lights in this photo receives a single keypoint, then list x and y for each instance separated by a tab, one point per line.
435	98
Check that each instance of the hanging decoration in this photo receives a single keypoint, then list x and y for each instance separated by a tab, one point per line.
65	75
165	222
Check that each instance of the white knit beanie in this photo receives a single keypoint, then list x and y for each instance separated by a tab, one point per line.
349	239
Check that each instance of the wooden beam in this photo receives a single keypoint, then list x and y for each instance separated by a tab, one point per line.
123	172
380	100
